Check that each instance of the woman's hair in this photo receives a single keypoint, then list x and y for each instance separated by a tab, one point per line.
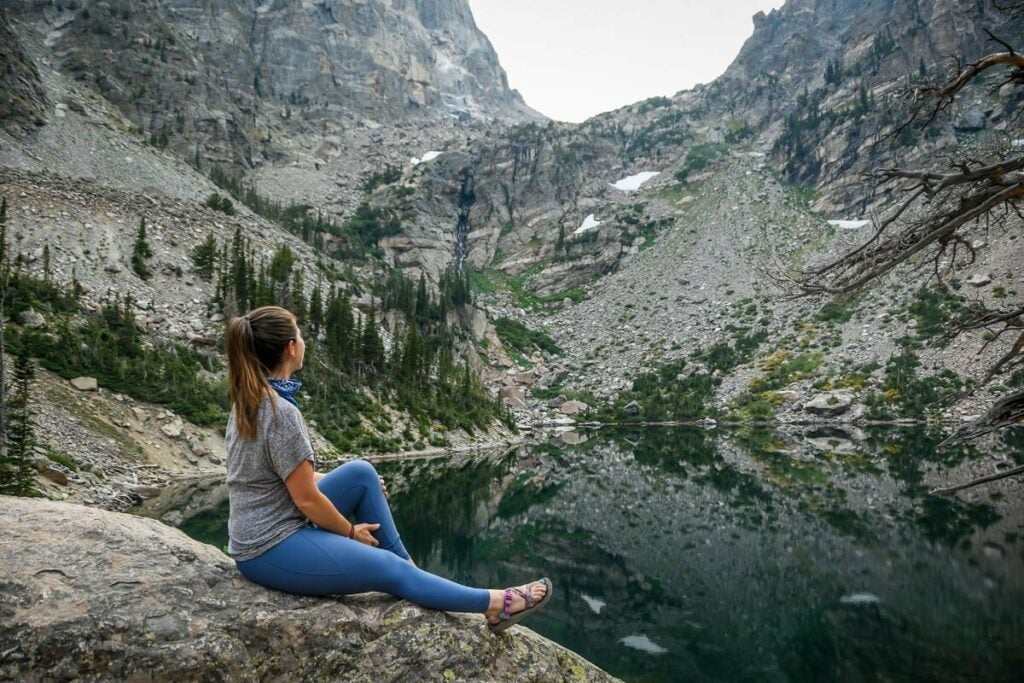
255	345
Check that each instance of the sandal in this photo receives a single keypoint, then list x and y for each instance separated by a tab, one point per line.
506	620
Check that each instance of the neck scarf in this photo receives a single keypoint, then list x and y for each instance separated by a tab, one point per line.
286	388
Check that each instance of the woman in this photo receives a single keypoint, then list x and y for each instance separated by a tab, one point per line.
289	527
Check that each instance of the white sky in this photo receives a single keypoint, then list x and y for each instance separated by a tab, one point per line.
572	59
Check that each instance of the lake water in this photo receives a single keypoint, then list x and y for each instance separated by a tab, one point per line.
688	555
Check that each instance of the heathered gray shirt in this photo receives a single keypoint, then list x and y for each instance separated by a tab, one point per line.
261	510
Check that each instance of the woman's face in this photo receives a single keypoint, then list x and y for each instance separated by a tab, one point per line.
300	350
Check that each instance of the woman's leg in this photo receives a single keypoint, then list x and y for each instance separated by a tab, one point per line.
355	488
317	562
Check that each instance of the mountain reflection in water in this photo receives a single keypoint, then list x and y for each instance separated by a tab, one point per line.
682	554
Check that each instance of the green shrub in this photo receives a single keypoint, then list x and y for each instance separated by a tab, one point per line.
389	175
218	202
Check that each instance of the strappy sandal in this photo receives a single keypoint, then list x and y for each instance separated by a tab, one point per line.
506	619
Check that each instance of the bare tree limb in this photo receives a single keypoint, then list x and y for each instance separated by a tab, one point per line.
945	491
1006	412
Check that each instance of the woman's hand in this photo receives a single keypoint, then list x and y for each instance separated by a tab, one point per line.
363	535
383	487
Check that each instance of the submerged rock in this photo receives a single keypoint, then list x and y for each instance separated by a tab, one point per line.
94	595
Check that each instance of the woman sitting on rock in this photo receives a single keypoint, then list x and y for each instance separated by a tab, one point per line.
290	528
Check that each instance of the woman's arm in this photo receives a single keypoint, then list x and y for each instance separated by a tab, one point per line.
318	508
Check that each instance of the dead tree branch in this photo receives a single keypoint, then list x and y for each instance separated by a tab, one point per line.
977	482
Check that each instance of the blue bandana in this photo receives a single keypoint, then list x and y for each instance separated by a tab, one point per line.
286	388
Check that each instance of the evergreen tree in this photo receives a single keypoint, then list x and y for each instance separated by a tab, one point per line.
141	252
204	257
297	297
372	346
46	263
239	271
422	301
316	308
281	264
339	325
17	472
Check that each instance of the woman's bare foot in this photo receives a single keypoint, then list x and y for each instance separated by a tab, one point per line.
537	590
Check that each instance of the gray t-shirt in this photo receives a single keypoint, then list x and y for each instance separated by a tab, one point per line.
262	513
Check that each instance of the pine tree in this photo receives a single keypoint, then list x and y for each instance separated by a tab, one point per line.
316	308
204	257
141	252
298	297
239	271
372	346
422	301
17	474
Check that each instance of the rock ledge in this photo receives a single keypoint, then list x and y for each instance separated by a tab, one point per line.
93	595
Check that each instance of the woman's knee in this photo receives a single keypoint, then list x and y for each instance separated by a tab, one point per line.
362	468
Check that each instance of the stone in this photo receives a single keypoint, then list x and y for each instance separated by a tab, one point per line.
161	606
571	437
970	120
527	378
55	475
85	383
830	403
512	396
31	319
145	492
632	408
140	413
173	428
199	448
573	408
979	280
112	267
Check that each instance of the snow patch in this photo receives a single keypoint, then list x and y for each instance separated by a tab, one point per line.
429	156
860	599
1017	144
644	644
849	225
589	223
633	182
595	604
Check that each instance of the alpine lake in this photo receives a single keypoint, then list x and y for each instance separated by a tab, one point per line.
678	554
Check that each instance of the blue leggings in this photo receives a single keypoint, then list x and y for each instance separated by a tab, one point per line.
314	561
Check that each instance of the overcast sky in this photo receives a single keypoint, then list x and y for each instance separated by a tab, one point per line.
572	59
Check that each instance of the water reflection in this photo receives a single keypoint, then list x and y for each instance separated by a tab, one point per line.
748	555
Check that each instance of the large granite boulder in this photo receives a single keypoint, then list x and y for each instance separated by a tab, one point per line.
93	595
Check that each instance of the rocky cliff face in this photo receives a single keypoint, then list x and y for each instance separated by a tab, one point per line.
24	102
304	97
92	595
815	88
